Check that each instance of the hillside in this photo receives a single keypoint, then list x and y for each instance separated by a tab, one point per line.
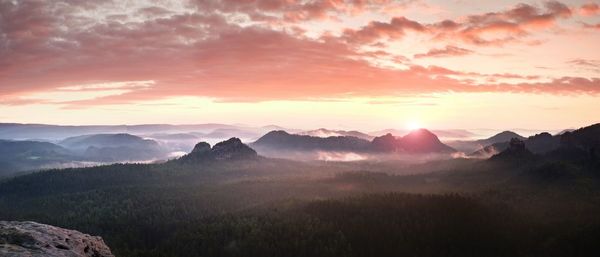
540	144
114	147
323	132
16	156
281	140
469	146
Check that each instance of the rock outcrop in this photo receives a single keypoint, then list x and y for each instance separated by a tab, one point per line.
385	143
201	148
231	149
234	149
31	239
516	151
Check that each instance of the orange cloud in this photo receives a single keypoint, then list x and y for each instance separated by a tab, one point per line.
493	28
589	9
205	53
448	51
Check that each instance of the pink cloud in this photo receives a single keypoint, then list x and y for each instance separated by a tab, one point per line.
591	26
396	28
205	54
589	9
508	26
447	51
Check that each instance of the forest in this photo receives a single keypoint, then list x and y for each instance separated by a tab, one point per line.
274	207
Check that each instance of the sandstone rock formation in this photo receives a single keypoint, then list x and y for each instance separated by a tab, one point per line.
31	239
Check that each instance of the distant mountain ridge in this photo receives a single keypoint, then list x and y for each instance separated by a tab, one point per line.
283	140
416	142
539	144
18	131
582	144
114	147
107	140
18	156
440	133
469	146
323	132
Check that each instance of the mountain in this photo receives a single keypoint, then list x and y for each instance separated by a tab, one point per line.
17	131
539	144
16	156
423	141
575	144
585	138
504	136
234	132
106	140
114	147
386	143
165	209
322	132
281	140
173	136
474	145
516	151
232	149
582	145
563	131
441	133
418	141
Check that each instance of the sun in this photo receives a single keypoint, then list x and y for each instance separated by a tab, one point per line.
413	125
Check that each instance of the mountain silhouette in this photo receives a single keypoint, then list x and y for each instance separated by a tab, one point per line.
18	156
504	136
106	140
423	141
516	151
385	143
481	144
539	144
322	132
114	147
582	145
282	140
231	149
418	141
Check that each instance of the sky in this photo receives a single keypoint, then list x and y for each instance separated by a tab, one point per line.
356	64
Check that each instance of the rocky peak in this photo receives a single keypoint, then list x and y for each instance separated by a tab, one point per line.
39	240
540	136
226	150
201	148
232	149
516	145
385	143
516	151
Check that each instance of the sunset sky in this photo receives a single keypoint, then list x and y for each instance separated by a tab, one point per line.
305	64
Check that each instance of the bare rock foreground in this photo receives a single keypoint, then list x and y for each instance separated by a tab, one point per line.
31	239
